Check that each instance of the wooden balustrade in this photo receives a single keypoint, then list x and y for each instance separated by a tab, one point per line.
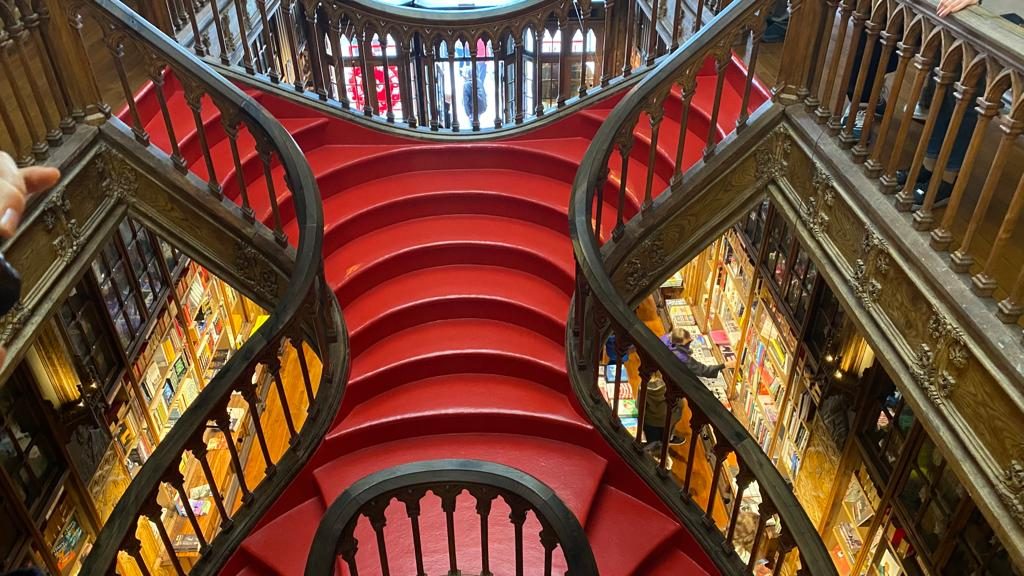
289	374
720	450
486	483
936	96
437	71
37	109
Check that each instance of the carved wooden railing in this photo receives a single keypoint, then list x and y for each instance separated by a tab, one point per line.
436	71
599	310
525	497
289	374
964	74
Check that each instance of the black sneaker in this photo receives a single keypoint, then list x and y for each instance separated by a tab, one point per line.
941	197
775	33
862	115
676	440
923	177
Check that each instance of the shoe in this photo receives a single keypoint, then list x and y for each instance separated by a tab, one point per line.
862	115
941	197
775	33
920	112
676	440
923	177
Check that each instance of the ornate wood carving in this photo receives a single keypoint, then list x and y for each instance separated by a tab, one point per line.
1012	490
255	271
968	396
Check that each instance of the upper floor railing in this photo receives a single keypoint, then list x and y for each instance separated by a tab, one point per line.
736	460
290	371
491	488
436	71
932	108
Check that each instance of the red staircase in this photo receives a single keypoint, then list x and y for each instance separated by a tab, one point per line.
454	269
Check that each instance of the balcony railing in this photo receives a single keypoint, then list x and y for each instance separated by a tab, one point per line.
953	107
491	488
599	310
437	72
50	90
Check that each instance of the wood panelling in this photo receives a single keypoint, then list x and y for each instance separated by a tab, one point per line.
962	378
970	400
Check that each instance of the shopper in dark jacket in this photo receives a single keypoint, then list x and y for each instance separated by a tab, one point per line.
655	405
679	343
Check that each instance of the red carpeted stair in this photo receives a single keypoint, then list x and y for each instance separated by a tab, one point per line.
454	269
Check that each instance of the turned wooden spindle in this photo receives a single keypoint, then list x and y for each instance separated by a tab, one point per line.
608	44
874	164
962	259
194	97
264	150
873	30
964	99
743	480
859	16
922	64
860	148
984	283
905	198
334	36
474	85
688	87
219	25
721	451
942	236
231	125
369	81
273	74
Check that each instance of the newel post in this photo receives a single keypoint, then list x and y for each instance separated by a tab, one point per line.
158	14
806	19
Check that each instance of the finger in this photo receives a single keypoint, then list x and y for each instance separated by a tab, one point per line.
39	179
12	205
10	173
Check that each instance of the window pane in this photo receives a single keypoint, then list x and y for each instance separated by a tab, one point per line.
11	534
25	447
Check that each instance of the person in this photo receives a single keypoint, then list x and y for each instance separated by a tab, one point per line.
961	140
778	23
614	360
16	185
467	72
655	406
945	8
679	341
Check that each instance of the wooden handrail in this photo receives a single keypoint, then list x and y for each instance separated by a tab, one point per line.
599	309
484	481
306	314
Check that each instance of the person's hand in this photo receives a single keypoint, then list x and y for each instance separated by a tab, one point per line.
947	7
719	368
16	184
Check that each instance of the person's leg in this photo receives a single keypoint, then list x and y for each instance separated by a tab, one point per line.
961	140
869	81
778	23
653	433
873	64
677	415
